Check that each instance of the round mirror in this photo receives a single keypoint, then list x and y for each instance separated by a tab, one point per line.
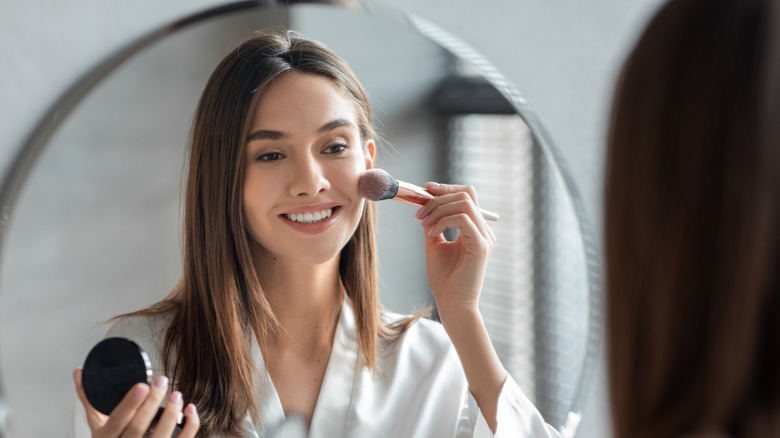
94	231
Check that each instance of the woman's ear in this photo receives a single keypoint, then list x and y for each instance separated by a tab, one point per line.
371	152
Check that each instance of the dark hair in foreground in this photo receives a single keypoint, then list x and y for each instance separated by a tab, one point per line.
692	225
218	309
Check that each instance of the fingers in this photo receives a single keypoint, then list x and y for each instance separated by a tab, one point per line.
170	416
461	221
443	189
120	416
455	207
124	413
191	422
457	203
134	414
144	414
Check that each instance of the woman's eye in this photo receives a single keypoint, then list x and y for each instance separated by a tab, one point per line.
270	156
335	148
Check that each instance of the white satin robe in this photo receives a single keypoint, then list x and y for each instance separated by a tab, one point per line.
420	389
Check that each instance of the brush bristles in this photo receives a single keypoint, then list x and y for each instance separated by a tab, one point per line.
377	185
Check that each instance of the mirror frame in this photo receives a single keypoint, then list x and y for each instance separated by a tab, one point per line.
24	160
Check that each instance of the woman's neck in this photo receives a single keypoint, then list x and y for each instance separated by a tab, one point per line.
306	300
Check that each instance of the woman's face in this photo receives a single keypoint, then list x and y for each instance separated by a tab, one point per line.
304	158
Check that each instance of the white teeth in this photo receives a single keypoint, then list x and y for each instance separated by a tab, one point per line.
310	218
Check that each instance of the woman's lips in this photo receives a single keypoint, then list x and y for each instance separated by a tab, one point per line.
309	226
309	217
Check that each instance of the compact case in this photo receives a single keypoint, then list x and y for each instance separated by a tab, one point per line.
112	367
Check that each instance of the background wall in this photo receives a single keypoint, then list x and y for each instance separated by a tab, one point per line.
562	56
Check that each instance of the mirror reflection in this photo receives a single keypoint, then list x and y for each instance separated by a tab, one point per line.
95	232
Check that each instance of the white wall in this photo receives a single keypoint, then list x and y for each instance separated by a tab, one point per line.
562	56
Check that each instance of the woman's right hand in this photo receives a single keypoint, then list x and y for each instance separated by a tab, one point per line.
133	416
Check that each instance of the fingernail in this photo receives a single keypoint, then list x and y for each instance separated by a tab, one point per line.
161	382
175	398
139	392
191	409
419	211
432	184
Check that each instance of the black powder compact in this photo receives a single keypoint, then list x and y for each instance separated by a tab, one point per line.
112	367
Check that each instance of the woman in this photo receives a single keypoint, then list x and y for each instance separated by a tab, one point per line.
693	225
277	312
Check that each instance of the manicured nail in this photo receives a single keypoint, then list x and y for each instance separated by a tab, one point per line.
161	382
191	409
175	398
140	391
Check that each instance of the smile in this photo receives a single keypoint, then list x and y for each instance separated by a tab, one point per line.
310	218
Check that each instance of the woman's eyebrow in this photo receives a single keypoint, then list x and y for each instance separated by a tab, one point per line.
336	123
266	134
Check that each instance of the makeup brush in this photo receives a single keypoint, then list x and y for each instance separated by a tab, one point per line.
378	185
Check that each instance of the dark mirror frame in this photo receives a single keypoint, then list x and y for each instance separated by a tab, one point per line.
27	155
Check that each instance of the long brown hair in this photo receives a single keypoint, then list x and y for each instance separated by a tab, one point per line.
218	309
692	225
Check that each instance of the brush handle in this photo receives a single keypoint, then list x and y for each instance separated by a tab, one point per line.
416	195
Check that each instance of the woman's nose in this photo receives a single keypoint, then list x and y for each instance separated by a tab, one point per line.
308	178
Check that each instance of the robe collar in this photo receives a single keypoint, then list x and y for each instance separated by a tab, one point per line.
331	414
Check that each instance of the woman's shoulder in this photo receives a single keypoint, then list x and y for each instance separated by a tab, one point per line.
146	330
422	331
423	347
140	326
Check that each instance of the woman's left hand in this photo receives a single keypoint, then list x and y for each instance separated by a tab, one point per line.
456	269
